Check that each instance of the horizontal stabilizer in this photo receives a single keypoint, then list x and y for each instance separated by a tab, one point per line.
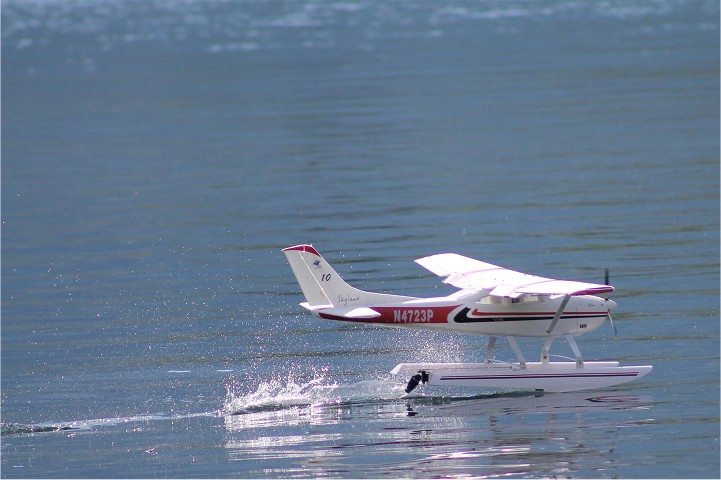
354	313
358	312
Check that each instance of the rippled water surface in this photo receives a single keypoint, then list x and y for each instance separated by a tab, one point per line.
158	155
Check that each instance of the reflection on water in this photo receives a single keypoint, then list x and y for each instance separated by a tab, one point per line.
492	434
312	430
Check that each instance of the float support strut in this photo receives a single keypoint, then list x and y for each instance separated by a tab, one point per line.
574	346
489	348
544	350
517	351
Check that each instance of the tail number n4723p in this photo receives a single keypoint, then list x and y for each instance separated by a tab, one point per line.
407	315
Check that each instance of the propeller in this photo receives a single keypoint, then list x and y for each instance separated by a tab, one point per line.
607	281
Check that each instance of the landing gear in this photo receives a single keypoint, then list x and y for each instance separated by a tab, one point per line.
544	351
494	371
514	345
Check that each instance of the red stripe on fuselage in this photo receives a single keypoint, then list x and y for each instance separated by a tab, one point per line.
476	313
402	315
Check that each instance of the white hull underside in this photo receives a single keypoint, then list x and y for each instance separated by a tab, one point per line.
549	377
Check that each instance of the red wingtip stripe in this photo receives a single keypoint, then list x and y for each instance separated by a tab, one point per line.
303	248
595	290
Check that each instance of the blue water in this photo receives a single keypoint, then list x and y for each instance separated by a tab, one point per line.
158	155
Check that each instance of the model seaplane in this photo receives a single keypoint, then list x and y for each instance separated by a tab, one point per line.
491	301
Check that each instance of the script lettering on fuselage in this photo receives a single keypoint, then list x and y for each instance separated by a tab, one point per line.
345	299
412	315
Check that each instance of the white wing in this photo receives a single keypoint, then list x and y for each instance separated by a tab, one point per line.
467	273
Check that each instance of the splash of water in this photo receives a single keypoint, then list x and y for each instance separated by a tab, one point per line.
279	393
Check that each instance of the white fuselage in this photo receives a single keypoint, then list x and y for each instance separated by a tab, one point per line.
469	312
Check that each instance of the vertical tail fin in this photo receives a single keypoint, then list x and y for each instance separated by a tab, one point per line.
322	286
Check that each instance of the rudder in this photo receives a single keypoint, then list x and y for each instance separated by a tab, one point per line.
321	285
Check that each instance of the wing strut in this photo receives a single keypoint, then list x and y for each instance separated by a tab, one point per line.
558	314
